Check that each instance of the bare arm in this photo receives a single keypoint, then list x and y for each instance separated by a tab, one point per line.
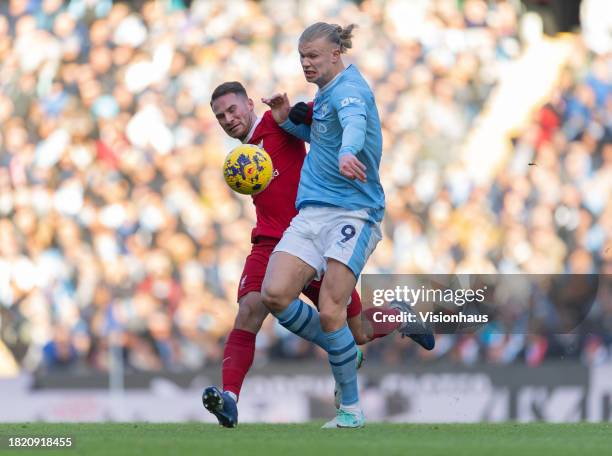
280	107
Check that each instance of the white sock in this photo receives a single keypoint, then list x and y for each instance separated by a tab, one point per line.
232	395
353	408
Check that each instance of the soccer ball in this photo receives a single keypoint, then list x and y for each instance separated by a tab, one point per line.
248	169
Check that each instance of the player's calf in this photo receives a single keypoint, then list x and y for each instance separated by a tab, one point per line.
337	388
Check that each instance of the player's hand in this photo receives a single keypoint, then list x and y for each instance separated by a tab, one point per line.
279	103
299	113
352	168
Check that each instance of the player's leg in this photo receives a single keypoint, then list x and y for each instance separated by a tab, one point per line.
353	311
239	349
295	262
361	335
361	332
285	278
414	328
377	322
336	289
238	355
365	326
350	240
337	286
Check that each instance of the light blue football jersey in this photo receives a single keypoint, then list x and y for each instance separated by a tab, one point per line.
345	120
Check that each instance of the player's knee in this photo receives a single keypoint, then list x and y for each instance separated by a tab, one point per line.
273	298
331	318
251	312
250	317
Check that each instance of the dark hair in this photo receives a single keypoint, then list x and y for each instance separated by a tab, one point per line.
334	33
228	87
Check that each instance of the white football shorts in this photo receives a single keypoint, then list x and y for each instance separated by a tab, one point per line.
317	233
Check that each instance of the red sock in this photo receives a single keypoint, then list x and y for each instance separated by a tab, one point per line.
384	328
237	359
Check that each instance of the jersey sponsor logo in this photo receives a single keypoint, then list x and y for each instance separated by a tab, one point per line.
350	100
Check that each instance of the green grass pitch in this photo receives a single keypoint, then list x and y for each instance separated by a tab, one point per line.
379	439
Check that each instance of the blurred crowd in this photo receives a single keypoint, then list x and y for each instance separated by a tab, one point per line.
116	228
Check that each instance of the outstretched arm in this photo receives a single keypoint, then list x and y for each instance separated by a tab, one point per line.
279	104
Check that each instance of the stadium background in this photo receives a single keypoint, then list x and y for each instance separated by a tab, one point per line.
121	246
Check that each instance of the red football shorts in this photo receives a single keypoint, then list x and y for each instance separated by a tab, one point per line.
255	270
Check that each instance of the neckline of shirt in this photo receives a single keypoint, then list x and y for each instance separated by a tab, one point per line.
330	83
252	130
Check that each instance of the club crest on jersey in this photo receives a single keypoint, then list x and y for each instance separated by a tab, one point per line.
324	109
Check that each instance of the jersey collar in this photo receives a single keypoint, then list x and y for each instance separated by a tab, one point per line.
252	130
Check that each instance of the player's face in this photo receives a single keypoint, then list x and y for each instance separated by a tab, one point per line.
319	58
235	114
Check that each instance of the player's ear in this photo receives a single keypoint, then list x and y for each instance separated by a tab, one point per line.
250	104
336	54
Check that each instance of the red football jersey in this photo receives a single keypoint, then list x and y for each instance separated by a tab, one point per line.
275	206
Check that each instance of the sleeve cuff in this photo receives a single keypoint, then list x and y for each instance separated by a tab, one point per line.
287	124
347	150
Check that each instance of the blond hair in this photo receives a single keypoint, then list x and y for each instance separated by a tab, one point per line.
334	33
